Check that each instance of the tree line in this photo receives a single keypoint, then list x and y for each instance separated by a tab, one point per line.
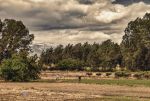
106	55
16	63
133	53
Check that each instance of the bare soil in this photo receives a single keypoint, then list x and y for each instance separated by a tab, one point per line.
44	91
68	92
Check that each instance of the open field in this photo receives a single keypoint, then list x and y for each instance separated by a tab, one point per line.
71	92
68	88
119	82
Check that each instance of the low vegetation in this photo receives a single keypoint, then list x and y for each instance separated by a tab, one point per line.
70	64
122	74
19	68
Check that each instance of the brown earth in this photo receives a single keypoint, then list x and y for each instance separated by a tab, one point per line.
67	91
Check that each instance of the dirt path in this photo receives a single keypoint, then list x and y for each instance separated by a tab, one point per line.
66	91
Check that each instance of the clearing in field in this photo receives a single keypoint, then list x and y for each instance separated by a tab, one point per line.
69	88
71	92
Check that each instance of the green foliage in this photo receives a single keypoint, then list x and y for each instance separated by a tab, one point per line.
122	74
19	68
147	75
135	44
106	55
121	82
89	73
88	69
142	75
15	63
110	54
14	37
98	74
108	74
139	75
70	64
133	52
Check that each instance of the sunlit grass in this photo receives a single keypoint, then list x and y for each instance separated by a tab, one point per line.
121	82
115	98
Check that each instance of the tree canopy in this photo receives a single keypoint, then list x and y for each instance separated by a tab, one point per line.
106	54
15	62
19	68
133	52
14	37
135	45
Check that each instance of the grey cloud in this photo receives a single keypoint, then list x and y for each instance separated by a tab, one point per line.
72	21
129	2
86	1
50	14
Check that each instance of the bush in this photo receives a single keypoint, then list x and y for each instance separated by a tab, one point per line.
139	75
70	64
108	74
142	75
146	75
19	68
118	74
89	74
88	69
122	74
98	74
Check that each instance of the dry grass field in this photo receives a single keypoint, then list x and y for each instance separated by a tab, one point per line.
59	90
71	92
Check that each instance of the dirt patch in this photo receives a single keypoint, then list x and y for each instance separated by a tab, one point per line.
65	91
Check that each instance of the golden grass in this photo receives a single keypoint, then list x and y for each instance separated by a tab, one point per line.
70	91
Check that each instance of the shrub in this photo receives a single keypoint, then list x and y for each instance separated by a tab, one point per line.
126	74
70	64
98	74
94	69
139	75
89	74
147	76
108	74
118	74
122	74
19	68
88	69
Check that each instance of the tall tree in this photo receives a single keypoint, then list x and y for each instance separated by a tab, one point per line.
110	54
135	45
58	53
14	37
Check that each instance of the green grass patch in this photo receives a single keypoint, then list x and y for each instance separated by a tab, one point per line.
116	98
126	82
121	82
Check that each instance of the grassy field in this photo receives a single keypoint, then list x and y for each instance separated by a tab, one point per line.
121	82
115	98
69	88
37	91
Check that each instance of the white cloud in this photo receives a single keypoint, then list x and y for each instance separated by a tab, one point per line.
74	36
109	15
71	21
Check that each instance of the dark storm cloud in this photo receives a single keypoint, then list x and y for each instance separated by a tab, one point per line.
86	1
45	14
59	14
129	2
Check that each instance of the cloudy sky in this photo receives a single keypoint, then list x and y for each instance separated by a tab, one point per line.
72	21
